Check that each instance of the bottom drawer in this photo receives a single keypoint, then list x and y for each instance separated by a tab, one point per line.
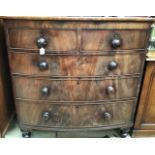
74	116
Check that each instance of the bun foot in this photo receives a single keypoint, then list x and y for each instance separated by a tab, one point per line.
124	133
26	134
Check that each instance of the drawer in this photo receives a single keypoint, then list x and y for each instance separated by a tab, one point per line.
100	40
73	116
75	89
56	39
88	40
59	65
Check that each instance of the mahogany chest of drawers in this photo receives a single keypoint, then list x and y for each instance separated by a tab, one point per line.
76	74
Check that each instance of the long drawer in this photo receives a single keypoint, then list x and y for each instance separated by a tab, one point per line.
75	89
74	116
74	40
80	65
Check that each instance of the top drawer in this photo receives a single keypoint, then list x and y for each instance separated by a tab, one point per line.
99	40
71	40
65	40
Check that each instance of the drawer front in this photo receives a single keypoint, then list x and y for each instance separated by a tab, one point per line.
74	40
69	116
56	39
50	65
99	40
75	90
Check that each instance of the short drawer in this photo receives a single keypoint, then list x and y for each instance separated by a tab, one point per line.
74	116
75	89
100	40
90	65
56	39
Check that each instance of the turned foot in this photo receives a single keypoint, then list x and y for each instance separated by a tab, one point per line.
124	133
26	134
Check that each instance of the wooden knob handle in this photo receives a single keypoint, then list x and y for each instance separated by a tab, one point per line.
41	42
46	115
43	65
45	91
107	116
110	90
112	65
116	41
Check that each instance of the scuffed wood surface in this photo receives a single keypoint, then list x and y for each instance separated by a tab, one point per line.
81	18
68	116
78	53
75	90
76	65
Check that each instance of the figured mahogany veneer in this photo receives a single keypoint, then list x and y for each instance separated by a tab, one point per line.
68	40
57	39
99	40
77	65
74	116
75	90
88	79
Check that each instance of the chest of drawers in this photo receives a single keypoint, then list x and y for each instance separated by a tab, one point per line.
76	74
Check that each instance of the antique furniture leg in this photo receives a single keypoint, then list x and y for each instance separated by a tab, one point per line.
26	134
124	132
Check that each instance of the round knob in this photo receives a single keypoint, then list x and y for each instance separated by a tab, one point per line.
45	91
107	116
43	65
110	89
46	115
112	65
41	42
116	41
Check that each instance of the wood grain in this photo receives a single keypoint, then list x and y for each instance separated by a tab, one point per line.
75	90
66	40
77	66
143	133
74	116
78	53
57	39
145	118
51	24
84	18
100	40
